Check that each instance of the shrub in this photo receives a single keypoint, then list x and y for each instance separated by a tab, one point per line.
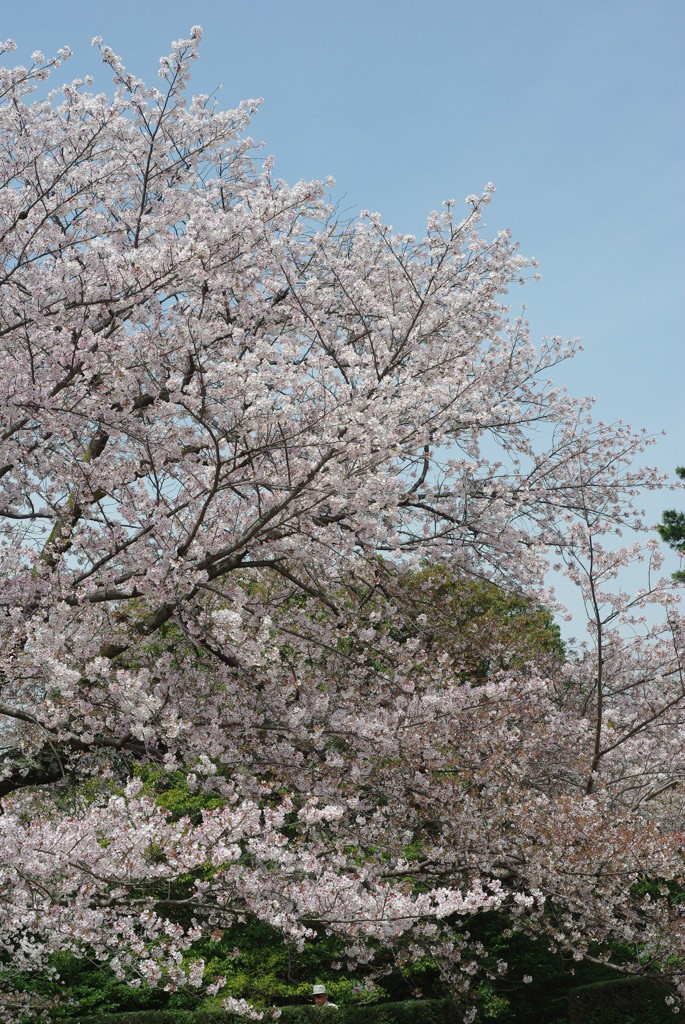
424	1011
622	1001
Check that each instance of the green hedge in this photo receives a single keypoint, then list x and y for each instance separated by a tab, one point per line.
623	1001
420	1011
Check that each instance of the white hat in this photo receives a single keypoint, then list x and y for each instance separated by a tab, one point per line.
319	990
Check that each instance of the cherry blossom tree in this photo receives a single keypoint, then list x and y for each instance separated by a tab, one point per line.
230	426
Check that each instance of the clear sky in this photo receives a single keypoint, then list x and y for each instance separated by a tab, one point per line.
573	109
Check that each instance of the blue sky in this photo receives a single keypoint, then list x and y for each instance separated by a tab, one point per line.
573	109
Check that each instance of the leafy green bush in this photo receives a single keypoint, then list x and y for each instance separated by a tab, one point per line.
622	1001
420	1011
147	1017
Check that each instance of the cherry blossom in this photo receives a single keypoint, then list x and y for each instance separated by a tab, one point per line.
231	428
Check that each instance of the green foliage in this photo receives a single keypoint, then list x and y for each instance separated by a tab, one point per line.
261	967
257	963
485	627
268	971
506	998
622	1001
490	1005
161	1017
84	985
171	791
672	529
427	1011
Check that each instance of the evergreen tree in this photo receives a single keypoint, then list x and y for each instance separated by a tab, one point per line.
672	529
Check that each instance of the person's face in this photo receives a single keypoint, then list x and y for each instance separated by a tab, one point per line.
320	1000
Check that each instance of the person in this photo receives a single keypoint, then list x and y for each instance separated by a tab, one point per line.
321	997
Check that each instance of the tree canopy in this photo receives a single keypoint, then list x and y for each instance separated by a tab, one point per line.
672	528
251	458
